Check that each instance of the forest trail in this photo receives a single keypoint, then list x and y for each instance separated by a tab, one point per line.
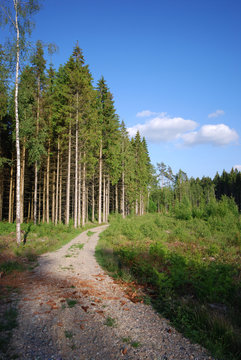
70	308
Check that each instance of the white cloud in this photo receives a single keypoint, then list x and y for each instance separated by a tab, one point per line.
163	128
217	135
216	114
146	113
238	167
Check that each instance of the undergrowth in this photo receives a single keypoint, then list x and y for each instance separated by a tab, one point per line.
191	269
36	240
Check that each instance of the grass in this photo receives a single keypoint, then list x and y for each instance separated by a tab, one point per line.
134	344
109	321
71	302
90	233
68	334
191	270
36	240
8	322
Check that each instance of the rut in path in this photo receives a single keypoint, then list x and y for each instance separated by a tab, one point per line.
70	309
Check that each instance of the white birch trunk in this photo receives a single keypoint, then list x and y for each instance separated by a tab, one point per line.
18	175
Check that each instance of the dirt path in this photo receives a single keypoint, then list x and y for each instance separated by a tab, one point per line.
70	309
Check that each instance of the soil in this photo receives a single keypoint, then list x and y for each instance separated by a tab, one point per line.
69	308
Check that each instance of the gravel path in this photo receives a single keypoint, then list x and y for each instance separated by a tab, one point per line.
70	309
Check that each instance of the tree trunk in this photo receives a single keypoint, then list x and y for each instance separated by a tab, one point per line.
107	207
18	215
10	195
47	184
68	179
93	200
84	193
53	198
35	192
22	182
104	199
79	195
100	184
44	198
87	203
1	193
57	187
123	195
60	189
39	202
116	198
76	164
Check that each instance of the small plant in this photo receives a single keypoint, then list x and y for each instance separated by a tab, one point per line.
110	322
71	302
68	334
135	344
90	233
68	255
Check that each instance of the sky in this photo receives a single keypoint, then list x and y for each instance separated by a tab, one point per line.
173	67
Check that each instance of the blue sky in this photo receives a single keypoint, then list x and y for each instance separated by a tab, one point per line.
173	66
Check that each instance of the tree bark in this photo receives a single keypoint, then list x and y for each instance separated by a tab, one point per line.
22	182
44	198
76	164
68	179
18	174
53	198
79	194
104	199
123	195
57	187
60	189
100	184
10	195
47	184
116	198
84	193
93	200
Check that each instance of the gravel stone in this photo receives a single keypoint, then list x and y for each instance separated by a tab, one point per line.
67	302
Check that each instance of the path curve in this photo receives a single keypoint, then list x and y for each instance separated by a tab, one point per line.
67	304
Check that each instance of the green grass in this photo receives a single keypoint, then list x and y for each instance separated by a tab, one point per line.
191	267
90	233
39	239
71	302
109	321
68	334
8	322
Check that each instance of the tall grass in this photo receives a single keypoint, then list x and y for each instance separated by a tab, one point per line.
192	266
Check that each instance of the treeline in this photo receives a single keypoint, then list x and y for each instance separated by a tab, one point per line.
189	196
77	161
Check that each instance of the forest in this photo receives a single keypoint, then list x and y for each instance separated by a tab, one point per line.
78	163
67	162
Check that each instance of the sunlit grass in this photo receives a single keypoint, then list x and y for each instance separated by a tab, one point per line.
193	268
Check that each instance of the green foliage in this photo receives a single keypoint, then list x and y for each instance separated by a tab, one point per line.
71	302
189	265
109	321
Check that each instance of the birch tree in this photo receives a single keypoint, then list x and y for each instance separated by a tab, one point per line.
18	14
